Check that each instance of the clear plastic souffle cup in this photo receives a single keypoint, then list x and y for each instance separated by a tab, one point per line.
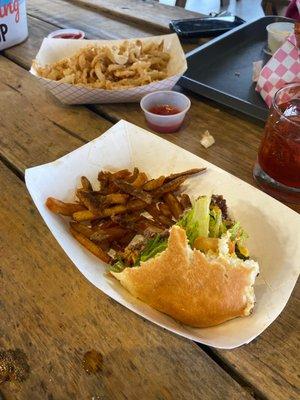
165	110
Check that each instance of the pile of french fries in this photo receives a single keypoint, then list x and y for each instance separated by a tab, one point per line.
127	65
106	220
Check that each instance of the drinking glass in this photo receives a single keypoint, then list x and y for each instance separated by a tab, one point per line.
277	169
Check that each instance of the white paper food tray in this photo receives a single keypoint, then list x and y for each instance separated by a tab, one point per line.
53	50
274	229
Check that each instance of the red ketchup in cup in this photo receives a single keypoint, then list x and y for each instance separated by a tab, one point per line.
165	110
67	34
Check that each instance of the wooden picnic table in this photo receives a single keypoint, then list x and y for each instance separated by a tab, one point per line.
48	309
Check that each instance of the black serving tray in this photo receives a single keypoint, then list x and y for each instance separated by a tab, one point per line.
222	68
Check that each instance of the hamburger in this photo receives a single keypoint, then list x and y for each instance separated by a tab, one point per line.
199	272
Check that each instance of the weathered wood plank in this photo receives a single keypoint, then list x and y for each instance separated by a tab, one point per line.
237	137
272	361
24	53
54	315
254	362
94	24
36	129
146	13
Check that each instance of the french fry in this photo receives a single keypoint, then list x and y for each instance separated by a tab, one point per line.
185	201
60	207
140	180
185	173
112	188
134	191
154	184
170	186
87	215
173	204
91	202
164	209
142	225
158	217
81	228
127	238
134	175
84	215
90	246
116	198
111	217
122	174
86	184
103	178
113	233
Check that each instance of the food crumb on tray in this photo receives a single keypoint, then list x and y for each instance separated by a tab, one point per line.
207	139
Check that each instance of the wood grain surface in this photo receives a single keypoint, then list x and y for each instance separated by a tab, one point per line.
96	25
269	365
41	130
147	13
54	315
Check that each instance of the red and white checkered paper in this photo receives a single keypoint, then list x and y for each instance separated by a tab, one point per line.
53	50
282	68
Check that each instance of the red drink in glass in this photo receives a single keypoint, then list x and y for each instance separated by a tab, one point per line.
278	166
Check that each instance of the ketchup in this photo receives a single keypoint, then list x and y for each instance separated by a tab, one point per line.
68	36
164	129
164	109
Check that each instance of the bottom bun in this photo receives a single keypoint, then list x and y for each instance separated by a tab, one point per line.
192	288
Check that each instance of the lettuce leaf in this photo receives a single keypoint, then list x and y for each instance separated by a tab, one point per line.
154	246
196	220
238	234
118	266
216	225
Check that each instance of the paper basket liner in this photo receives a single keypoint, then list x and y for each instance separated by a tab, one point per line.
274	229
53	50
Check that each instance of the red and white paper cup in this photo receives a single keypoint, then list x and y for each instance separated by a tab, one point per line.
13	23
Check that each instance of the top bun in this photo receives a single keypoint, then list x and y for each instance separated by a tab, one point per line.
194	289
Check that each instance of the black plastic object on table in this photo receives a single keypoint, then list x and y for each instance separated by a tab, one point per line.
205	27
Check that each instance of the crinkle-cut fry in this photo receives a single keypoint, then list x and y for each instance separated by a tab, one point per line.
154	184
164	209
91	246
140	179
170	186
174	205
86	184
60	207
189	172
